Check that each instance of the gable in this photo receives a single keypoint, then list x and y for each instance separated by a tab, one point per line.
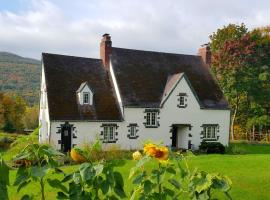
181	87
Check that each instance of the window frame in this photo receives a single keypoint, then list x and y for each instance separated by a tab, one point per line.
182	99
133	132
84	94
151	118
109	134
210	132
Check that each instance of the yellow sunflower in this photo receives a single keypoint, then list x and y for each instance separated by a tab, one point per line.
150	149
137	155
162	153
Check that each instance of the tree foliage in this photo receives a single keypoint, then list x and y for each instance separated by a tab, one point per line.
12	110
240	62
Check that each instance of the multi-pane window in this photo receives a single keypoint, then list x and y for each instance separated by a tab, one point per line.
86	98
109	134
210	132
182	100
151	118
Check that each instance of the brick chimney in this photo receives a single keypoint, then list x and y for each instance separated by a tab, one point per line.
205	53
106	50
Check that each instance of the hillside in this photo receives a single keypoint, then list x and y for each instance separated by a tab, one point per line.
20	75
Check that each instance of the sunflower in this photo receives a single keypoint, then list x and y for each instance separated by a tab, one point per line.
137	155
150	149
162	153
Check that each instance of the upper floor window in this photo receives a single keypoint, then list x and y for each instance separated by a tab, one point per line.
182	100
210	132
84	94
86	99
151	118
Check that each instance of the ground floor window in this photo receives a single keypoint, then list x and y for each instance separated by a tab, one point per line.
210	131
132	131
109	134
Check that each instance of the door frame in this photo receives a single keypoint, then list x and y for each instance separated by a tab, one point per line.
66	141
174	138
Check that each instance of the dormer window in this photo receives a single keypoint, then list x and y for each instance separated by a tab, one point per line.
85	94
86	98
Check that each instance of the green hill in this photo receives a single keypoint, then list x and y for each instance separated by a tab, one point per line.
20	75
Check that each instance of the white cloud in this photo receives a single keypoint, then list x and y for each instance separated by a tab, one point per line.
75	27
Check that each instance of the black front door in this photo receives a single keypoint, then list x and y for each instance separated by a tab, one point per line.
66	137
174	136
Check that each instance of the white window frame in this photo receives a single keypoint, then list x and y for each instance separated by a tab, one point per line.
109	133
182	100
210	132
151	118
88	94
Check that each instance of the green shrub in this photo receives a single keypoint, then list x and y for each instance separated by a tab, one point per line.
212	147
94	152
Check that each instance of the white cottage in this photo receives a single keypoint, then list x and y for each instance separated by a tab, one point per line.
129	96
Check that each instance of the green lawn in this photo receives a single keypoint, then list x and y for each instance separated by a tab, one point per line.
249	173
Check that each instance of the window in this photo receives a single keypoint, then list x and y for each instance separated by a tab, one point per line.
132	131
109	134
182	100
86	98
210	132
151	118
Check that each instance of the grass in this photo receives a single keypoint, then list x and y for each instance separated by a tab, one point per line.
249	173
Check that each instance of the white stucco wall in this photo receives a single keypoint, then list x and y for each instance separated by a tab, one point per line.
170	114
44	120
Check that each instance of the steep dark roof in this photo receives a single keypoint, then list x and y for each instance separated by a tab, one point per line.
142	77
64	75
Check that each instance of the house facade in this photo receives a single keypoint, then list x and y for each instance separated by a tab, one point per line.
130	96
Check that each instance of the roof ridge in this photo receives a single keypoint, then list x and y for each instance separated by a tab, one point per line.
55	54
159	52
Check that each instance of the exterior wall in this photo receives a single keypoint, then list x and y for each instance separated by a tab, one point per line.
193	115
44	120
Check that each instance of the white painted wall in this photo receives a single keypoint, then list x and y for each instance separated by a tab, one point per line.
44	119
169	114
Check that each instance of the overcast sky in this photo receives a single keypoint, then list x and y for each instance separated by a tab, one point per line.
74	27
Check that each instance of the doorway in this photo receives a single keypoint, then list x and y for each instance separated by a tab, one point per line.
66	137
180	136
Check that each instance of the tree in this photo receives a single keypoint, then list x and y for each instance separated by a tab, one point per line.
240	60
230	65
13	108
31	117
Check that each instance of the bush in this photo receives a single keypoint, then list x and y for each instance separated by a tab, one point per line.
212	147
94	152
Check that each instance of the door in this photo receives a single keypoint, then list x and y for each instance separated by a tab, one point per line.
174	137
66	138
